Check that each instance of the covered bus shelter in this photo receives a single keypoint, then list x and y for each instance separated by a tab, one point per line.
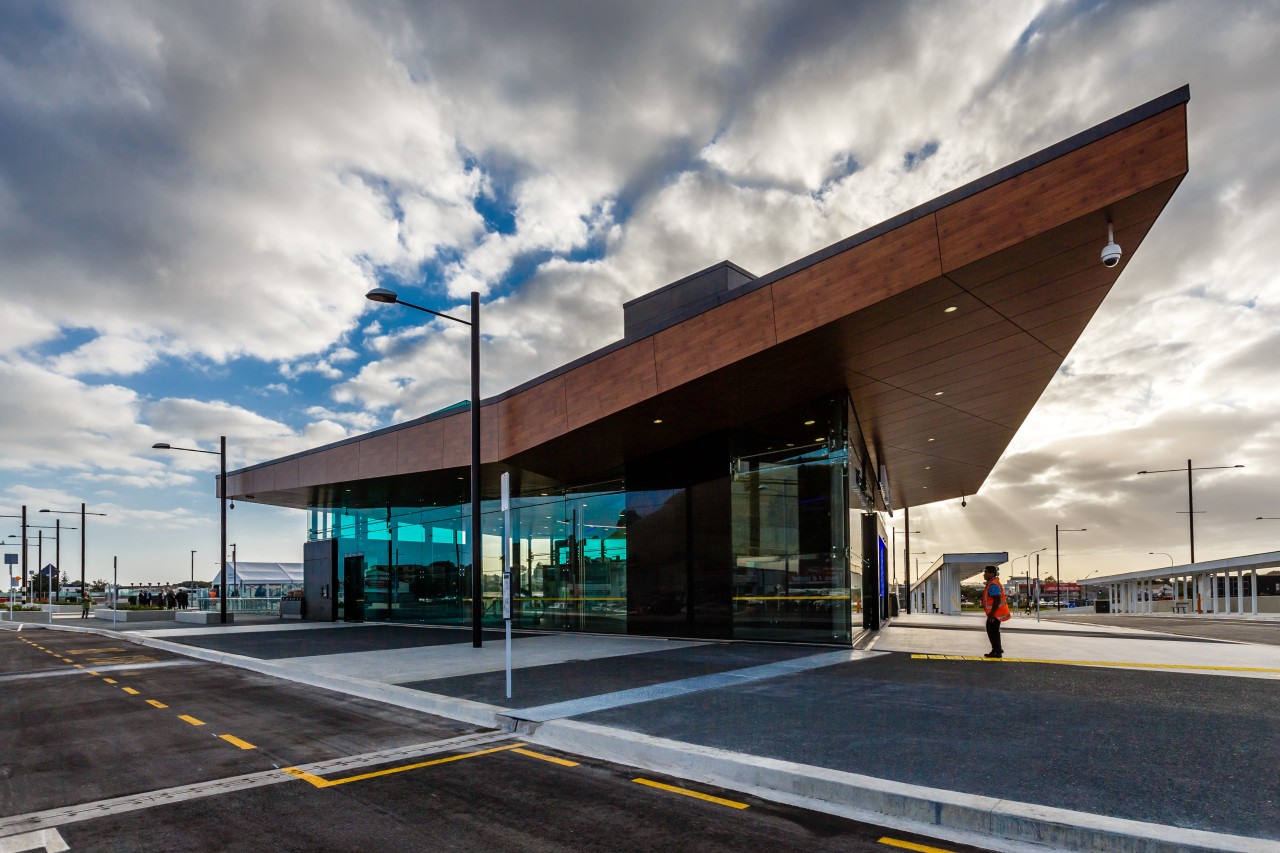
1215	587
937	590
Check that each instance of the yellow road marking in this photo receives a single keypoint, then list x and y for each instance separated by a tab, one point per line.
320	782
911	845
232	739
130	691
153	703
673	789
1102	663
550	758
189	719
68	660
91	651
91	672
109	680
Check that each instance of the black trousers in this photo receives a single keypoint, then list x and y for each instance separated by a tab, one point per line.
993	634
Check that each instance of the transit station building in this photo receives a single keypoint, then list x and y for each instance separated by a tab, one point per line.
727	468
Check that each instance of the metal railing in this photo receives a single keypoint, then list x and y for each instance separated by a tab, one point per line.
241	605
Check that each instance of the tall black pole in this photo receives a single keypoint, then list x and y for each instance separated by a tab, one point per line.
1191	513
193	569
906	551
1057	572
24	546
222	489
82	535
40	557
477	605
57	551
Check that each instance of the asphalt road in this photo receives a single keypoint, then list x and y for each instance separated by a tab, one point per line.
120	745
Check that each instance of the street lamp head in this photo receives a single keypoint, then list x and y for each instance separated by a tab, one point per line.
381	294
161	445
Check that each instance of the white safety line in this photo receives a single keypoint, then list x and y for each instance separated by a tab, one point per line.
55	673
11	826
44	839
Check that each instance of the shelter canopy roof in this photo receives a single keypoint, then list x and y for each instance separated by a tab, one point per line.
943	325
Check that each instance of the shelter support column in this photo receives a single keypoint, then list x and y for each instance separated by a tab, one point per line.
1253	591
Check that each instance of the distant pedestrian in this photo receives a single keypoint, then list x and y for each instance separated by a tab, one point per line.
183	599
85	601
996	606
170	600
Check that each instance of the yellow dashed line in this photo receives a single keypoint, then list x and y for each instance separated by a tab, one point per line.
189	719
1101	663
673	789
550	758
232	739
911	845
130	691
91	672
109	680
79	666
153	703
329	783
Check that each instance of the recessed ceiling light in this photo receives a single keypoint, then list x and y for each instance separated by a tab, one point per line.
810	423
657	420
927	467
819	439
789	444
938	393
931	439
949	310
544	494
924	487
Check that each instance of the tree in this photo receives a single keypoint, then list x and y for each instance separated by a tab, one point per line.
98	586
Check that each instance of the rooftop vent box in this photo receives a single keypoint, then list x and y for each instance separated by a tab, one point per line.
682	299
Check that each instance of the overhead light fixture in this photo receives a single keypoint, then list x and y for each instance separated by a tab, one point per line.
931	439
949	310
657	420
810	423
938	393
927	467
819	439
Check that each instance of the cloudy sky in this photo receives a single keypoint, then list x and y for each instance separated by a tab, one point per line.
194	198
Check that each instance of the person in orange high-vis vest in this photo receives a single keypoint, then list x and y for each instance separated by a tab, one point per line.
996	605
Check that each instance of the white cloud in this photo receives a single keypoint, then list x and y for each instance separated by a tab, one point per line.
222	185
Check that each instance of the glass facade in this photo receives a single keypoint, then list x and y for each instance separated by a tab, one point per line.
740	535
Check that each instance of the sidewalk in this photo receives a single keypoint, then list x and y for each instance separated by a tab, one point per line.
1101	740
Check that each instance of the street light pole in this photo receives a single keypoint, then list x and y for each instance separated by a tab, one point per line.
193	568
1163	554
1191	508
389	297
221	453
1057	562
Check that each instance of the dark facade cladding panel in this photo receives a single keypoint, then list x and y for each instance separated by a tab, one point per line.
320	580
687	297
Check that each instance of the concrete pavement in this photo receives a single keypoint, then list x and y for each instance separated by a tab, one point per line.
1101	739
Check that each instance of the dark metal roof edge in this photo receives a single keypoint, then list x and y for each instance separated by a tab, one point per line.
1151	108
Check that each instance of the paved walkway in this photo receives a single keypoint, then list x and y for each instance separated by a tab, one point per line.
1101	728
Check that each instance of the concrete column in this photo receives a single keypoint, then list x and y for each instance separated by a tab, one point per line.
1253	591
1240	590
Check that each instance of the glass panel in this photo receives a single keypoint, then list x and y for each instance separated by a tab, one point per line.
790	575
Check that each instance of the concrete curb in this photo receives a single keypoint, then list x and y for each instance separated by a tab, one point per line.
966	818
1004	825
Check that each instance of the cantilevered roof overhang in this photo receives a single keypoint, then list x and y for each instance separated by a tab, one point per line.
939	393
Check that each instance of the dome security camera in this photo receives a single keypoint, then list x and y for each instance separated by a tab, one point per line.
1111	252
